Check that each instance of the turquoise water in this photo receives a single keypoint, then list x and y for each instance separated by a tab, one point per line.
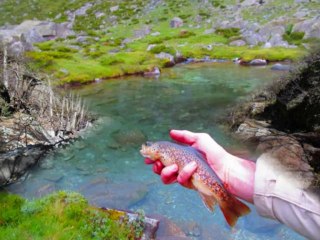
106	165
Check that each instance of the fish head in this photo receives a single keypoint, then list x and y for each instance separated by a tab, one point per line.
150	150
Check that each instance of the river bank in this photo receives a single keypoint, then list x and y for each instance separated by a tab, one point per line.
284	120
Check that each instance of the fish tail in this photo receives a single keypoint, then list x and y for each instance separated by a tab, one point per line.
233	209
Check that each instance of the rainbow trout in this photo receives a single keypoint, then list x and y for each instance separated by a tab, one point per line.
204	180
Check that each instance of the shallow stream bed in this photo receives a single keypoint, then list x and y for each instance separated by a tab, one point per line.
106	165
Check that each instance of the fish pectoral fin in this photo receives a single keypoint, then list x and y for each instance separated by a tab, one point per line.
208	200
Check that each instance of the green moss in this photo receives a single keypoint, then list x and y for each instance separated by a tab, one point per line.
59	216
162	48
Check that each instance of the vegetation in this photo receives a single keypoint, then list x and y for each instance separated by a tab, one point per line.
113	45
62	215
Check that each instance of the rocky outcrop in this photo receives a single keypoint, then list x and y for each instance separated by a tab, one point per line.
15	163
176	22
21	38
284	119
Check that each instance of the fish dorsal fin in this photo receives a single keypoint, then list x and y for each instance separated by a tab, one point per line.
208	201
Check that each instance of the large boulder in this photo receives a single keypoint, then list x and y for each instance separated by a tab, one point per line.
311	27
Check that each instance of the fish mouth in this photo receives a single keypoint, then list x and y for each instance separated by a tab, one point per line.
144	151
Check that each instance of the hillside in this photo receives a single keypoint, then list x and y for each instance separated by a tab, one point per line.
80	41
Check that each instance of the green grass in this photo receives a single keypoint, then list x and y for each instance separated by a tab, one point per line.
59	216
103	54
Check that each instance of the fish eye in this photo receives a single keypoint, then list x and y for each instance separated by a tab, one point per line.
148	144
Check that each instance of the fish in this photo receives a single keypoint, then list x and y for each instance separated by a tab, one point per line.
204	180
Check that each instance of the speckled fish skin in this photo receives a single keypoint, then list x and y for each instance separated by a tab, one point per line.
204	180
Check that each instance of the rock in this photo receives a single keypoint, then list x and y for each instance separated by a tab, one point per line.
277	41
132	137
45	190
154	72
32	36
169	230
311	28
150	224
247	3
269	30
251	129
150	46
176	22
209	31
258	62
267	45
238	43
99	14
154	34
142	32
16	162
167	56
114	8
280	67
113	195
83	10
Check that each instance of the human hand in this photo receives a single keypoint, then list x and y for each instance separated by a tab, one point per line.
237	174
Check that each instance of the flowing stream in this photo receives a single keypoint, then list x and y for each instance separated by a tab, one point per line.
106	165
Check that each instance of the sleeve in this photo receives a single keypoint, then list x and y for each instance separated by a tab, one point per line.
286	196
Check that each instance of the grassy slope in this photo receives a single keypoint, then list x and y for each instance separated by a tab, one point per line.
93	59
59	216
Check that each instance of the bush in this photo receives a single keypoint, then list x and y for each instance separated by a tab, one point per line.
228	32
294	37
162	48
186	34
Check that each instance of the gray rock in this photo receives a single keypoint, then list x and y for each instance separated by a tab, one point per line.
280	67
311	28
142	32
150	46
16	162
176	22
114	8
83	10
164	55
32	36
277	41
258	62
155	34
99	14
238	43
268	31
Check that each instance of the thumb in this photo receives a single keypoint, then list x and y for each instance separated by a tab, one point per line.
183	136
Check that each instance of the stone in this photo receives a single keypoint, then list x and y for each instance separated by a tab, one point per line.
150	46
277	41
132	137
113	195
45	190
154	34
164	55
142	32
114	8
258	62
168	229
237	43
32	36
176	22
280	67
155	72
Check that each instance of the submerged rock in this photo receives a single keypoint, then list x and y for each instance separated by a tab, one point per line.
280	67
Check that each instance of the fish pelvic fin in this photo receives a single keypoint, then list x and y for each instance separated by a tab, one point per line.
208	200
233	209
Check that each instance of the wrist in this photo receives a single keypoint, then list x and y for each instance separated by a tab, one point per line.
238	176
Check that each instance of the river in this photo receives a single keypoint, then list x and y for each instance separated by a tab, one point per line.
106	165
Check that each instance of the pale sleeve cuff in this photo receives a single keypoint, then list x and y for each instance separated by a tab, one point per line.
280	194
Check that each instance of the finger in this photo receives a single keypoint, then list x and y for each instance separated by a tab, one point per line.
186	173
157	167
183	136
148	161
169	174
